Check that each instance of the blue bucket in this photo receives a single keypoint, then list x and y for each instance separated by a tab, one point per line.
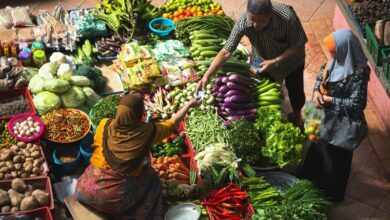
86	149
66	168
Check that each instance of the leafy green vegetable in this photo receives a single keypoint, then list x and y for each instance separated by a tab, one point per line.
244	139
304	192
73	98
262	194
283	144
79	81
56	85
46	101
105	108
36	84
267	116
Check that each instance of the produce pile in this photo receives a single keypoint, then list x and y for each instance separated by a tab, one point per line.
22	197
173	145
27	128
13	106
66	125
6	138
104	108
21	160
178	10
370	10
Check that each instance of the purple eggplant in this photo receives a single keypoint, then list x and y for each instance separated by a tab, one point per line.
220	95
215	88
240	99
235	86
225	79
237	117
242	80
215	94
236	92
223	89
237	106
218	81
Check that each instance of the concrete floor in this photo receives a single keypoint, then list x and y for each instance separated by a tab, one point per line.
368	192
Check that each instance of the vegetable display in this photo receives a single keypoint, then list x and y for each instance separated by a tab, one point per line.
283	144
13	106
204	127
6	138
66	125
220	26
105	108
173	145
234	97
109	47
159	106
244	139
178	10
268	93
172	169
261	193
229	202
125	17
21	160
23	197
218	165
27	128
182	96
267	116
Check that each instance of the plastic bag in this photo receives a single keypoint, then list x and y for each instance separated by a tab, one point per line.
313	121
5	19
21	17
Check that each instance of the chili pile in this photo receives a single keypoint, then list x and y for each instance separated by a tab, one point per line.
65	125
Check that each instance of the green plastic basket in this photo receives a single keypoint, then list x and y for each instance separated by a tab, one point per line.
386	66
372	43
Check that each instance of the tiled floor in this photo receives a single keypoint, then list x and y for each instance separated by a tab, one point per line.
368	192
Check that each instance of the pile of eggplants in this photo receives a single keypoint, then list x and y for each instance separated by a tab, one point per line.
109	47
234	97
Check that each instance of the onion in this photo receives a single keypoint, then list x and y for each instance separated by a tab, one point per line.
29	118
32	129
36	124
25	128
28	133
37	129
30	123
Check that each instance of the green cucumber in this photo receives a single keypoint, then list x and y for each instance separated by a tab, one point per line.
208	53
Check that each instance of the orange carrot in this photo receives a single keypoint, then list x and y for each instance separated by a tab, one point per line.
180	167
159	160
176	159
180	175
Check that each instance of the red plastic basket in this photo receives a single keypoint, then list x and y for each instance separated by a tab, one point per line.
43	213
25	93
38	183
22	117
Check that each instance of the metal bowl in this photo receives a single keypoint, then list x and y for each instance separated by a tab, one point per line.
184	211
281	181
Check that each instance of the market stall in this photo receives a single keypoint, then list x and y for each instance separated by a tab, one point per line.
57	85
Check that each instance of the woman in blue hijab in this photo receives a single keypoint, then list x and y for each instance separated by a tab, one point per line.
341	87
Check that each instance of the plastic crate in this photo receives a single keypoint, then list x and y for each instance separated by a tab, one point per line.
372	43
22	93
42	213
386	66
38	183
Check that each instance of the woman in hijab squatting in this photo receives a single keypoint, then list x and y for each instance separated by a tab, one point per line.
341	87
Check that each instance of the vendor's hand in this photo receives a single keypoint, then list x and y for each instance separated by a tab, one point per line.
318	100
202	84
266	64
328	99
194	103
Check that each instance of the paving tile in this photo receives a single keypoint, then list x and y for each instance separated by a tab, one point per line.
381	145
380	215
351	209
50	5
361	155
385	205
367	189
386	166
89	4
374	125
373	167
31	3
304	9
326	10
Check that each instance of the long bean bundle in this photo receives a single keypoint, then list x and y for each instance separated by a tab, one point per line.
220	25
205	127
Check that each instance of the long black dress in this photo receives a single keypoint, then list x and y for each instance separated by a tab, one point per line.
326	165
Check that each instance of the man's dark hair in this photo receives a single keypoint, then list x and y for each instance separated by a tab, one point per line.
259	7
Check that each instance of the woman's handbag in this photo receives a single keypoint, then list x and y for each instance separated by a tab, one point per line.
341	131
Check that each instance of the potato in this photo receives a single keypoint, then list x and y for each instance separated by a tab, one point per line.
4	170
6	155
36	171
33	175
36	154
22	144
29	145
24	175
37	163
29	159
28	168
29	203
19	173
4	198
15	209
16	198
14	174
1	176
18	185
41	196
17	159
17	166
10	165
29	190
7	176
2	163
5	209
14	148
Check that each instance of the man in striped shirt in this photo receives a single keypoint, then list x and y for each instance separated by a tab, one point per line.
276	35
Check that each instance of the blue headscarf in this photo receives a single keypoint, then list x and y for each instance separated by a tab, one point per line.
349	55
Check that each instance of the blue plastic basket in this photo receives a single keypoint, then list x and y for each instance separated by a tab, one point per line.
66	168
163	21
85	149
